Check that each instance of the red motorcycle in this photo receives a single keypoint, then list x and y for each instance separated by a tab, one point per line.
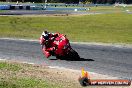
63	49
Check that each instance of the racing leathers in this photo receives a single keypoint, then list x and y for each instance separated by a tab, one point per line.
47	44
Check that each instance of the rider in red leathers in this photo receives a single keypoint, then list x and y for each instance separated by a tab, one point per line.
46	40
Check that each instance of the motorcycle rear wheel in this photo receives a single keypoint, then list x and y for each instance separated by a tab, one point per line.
74	55
58	57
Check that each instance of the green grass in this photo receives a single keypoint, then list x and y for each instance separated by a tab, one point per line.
8	66
2	10
106	8
17	75
110	8
107	28
25	83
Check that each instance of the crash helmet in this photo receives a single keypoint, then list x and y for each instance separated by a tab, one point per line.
45	35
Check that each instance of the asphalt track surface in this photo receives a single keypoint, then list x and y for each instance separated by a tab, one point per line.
45	12
107	60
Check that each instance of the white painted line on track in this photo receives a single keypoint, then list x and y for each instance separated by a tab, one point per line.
28	63
32	40
57	67
2	59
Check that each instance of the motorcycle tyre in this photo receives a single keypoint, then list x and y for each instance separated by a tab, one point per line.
59	57
74	55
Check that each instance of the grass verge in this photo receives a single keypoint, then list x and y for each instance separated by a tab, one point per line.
25	83
10	67
107	28
41	76
2	10
110	8
16	75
